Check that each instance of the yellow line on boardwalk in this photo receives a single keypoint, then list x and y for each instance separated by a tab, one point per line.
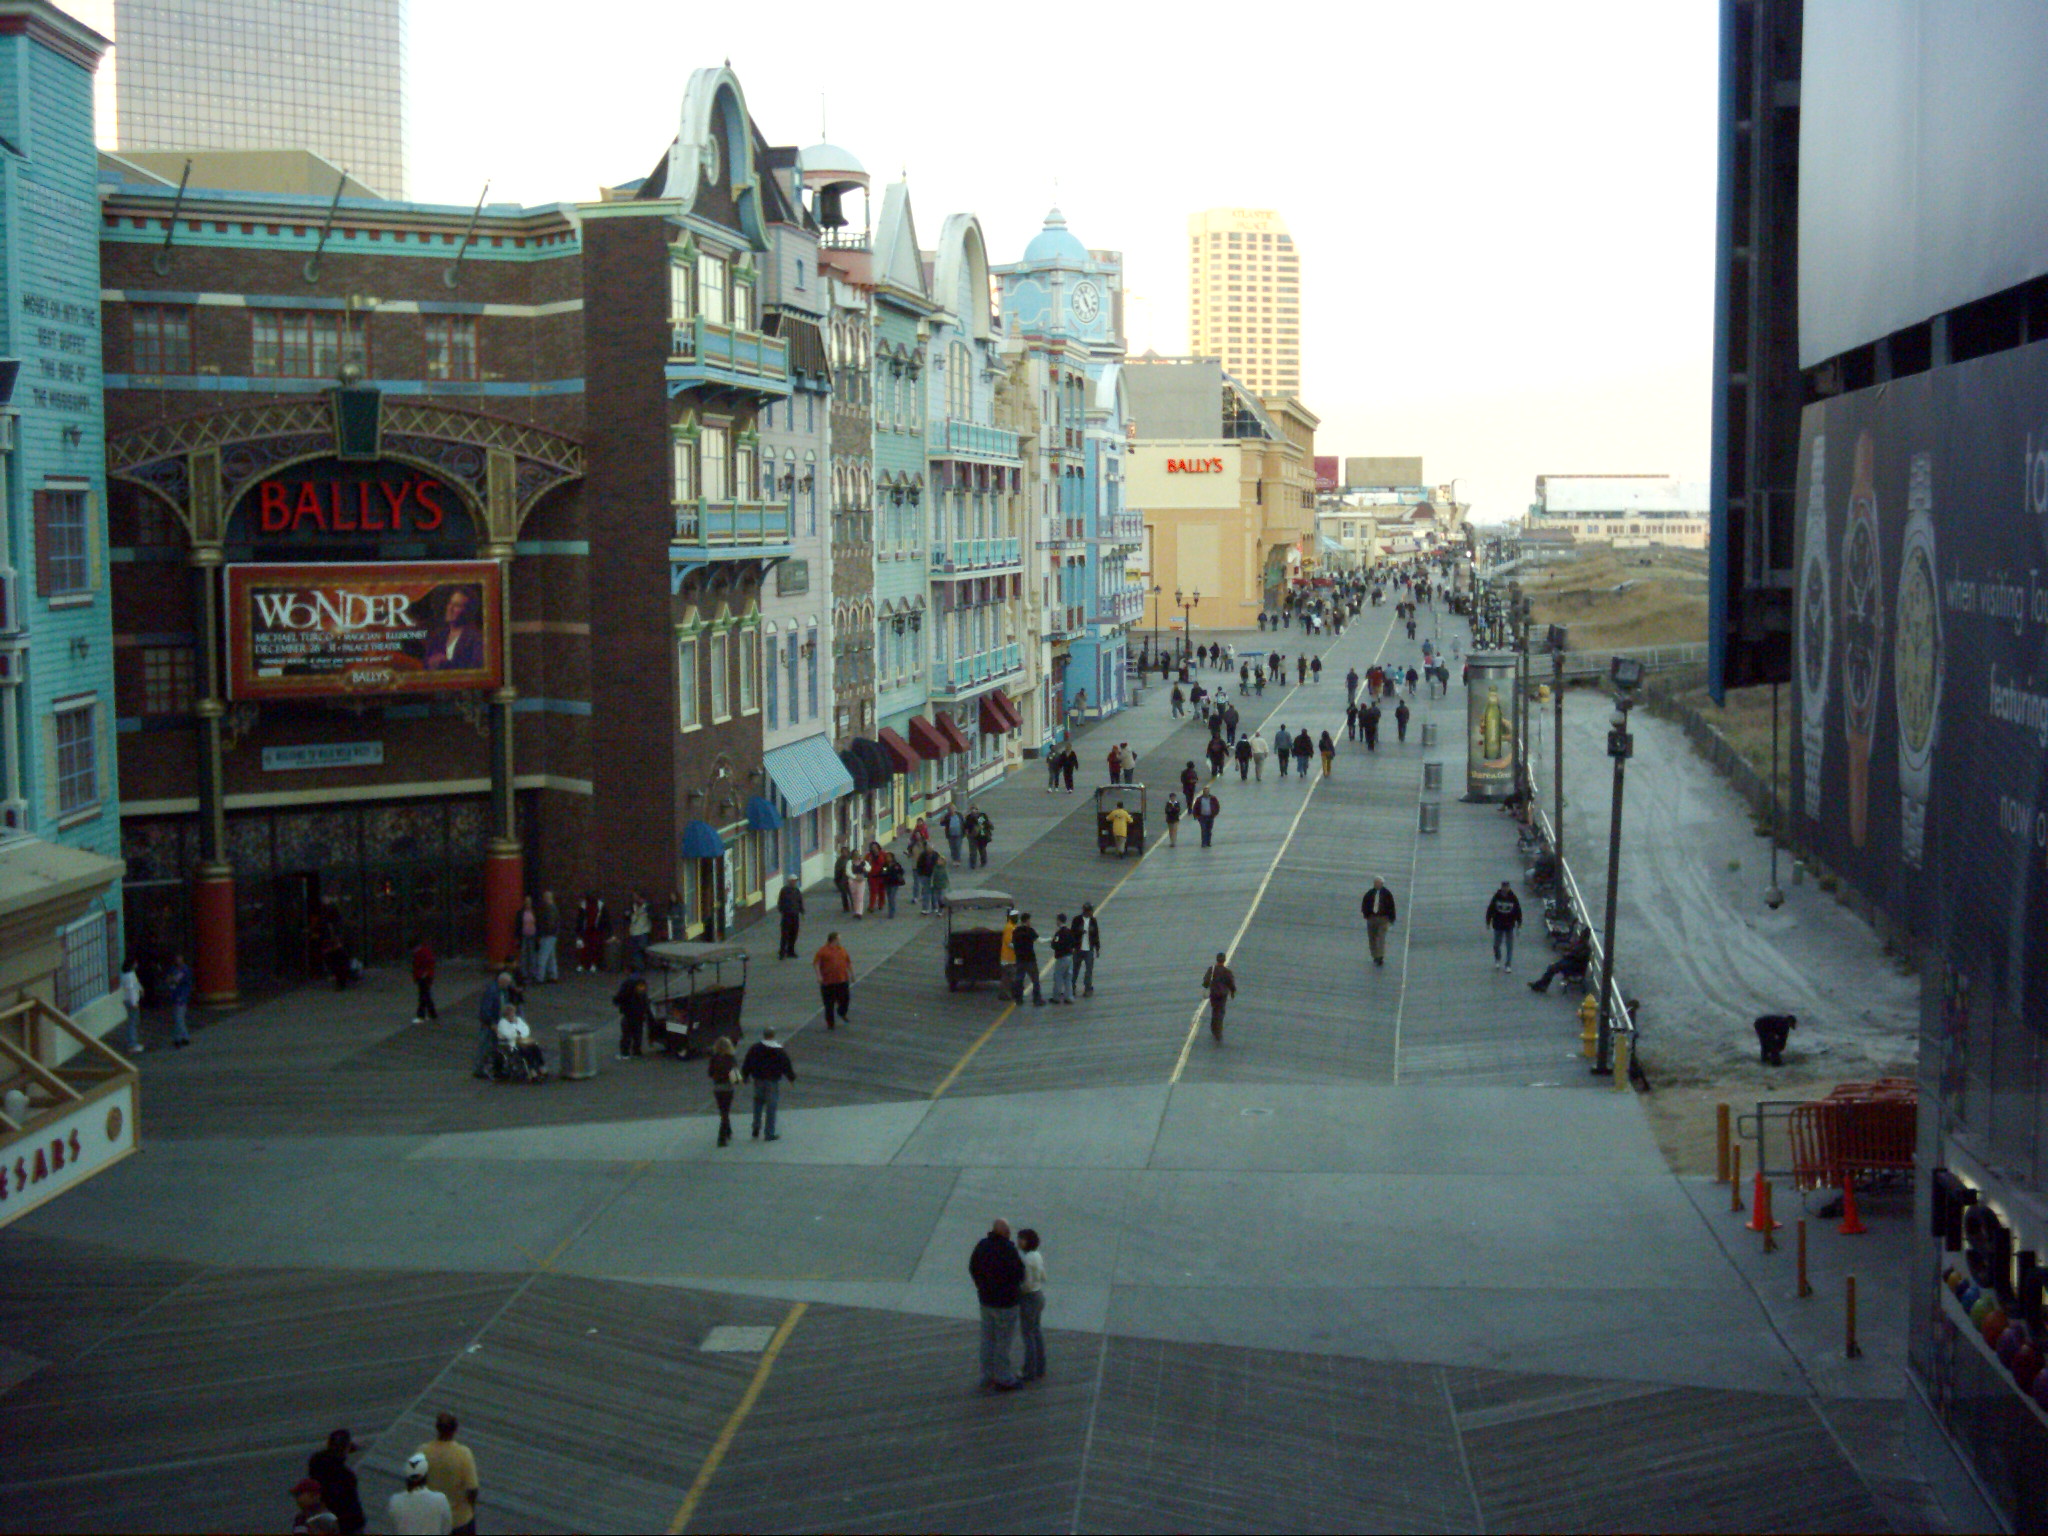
739	1416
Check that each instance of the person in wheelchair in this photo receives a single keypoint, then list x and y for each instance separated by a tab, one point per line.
1571	964
518	1058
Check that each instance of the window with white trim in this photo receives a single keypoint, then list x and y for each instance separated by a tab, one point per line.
794	661
687	708
750	671
682	282
771	679
77	753
714	463
683	470
721	675
63	541
714	292
167	679
451	346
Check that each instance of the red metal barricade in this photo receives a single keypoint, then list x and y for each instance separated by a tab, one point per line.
1857	1129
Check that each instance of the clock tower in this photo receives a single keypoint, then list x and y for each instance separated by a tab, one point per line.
1063	289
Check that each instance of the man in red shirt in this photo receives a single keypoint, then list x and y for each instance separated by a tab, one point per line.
835	977
423	979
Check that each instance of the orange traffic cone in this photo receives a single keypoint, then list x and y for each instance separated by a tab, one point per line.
1852	1224
1760	1207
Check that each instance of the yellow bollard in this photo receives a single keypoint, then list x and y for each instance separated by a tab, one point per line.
1589	1026
1622	1041
1735	1177
1720	1143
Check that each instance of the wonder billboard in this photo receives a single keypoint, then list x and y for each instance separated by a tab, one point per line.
1920	690
321	631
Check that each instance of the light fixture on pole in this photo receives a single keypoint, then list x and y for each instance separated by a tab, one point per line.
1627	673
1555	638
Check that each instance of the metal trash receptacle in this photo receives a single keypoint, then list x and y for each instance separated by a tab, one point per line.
1433	778
1430	810
1429	733
578	1051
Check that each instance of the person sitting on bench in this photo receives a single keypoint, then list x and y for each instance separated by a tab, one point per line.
1571	963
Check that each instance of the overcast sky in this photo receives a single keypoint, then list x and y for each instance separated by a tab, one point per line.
1504	211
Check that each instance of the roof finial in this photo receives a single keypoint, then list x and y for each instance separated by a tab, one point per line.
824	122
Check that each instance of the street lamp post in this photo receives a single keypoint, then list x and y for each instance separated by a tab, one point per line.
1628	675
1774	895
1556	638
1156	652
1187	603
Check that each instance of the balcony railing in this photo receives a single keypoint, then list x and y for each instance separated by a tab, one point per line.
711	524
1122	607
1065	619
954	677
976	555
1061	533
705	352
949	437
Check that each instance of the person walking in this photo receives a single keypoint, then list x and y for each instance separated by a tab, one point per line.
1244	758
1206	808
1089	934
790	906
636	1013
1504	916
885	878
834	967
490	1007
767	1066
639	931
1063	945
1031	1305
1189	780
842	879
1300	671
1231	719
1070	764
1218	756
529	940
547	927
451	1472
857	881
942	881
1369	725
1351	721
593	927
955	827
417	1510
981	832
1127	759
997	1270
131	1004
1179	701
1414	677
1116	765
176	983
339	1491
1401	714
724	1071
1315	667
1172	812
1221	985
1304	749
1328	748
1024	944
1351	686
922	859
1377	908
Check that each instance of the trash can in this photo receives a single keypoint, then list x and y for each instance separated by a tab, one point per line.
578	1057
1432	778
1428	733
1430	810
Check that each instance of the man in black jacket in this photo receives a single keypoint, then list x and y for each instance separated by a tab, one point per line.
1088	935
634	1013
997	1270
1378	911
1024	943
767	1066
1504	916
791	905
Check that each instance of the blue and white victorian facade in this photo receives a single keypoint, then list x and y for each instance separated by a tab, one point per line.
975	495
1061	309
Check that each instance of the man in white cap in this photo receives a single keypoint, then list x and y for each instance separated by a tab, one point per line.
419	1511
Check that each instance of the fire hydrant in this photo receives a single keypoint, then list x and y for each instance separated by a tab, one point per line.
1589	1026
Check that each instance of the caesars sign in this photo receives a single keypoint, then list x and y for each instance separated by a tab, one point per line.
317	631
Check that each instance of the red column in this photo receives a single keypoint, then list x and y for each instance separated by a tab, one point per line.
213	928
504	882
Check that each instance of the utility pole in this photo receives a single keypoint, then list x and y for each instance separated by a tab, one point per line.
1557	638
1628	675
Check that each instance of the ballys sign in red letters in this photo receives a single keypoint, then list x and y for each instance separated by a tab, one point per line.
1194	466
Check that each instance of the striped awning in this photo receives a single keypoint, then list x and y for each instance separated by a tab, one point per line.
807	774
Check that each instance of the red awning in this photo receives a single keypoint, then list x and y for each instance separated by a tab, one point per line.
1010	711
956	739
898	750
997	714
926	738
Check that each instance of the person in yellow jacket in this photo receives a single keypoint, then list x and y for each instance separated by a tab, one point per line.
1006	953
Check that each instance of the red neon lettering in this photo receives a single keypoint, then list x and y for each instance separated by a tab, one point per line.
57	1156
395	497
273	516
73	1138
367	517
428	495
309	506
343	522
41	1170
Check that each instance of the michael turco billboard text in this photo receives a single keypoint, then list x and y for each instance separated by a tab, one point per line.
326	631
1921	690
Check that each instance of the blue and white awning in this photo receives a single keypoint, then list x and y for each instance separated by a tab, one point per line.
807	774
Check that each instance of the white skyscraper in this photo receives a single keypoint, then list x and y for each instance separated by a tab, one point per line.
1244	297
322	75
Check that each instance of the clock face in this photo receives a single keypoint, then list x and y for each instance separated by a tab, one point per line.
1862	613
1916	652
714	159
1813	627
1086	303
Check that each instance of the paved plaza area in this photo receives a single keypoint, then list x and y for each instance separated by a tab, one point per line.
1387	1258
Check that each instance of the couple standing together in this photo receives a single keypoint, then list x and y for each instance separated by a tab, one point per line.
1009	1281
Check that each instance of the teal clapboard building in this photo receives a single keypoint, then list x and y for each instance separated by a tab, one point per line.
60	824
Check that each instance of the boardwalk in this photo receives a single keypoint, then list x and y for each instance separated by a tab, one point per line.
1387	1258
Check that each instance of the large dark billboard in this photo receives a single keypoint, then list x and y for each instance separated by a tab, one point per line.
1920	693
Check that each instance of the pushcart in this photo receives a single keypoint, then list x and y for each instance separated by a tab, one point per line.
974	936
1132	798
698	999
